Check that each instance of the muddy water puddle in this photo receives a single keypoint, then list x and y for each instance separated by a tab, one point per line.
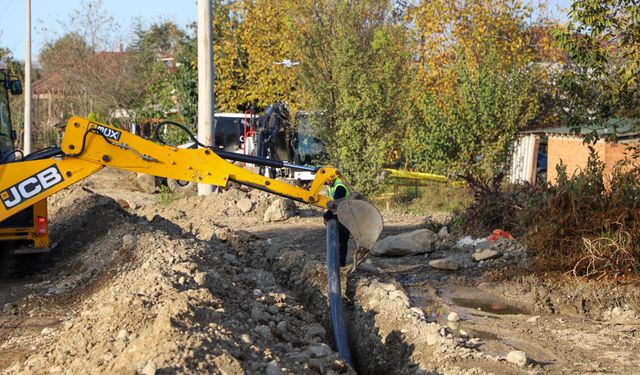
493	306
468	302
436	311
475	307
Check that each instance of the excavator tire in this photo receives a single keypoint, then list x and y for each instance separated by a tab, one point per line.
20	265
183	188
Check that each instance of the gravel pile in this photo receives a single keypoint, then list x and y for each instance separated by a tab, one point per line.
143	297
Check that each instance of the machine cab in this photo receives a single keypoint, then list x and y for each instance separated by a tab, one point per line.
26	231
7	134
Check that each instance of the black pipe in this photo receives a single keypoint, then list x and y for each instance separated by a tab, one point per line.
335	292
274	163
249	158
43	154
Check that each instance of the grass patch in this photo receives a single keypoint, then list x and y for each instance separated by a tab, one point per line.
165	197
424	199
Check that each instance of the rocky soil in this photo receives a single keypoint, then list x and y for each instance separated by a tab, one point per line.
129	295
235	283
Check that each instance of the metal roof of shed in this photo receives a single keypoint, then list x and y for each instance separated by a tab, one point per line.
624	128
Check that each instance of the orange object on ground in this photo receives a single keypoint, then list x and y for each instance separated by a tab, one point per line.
498	234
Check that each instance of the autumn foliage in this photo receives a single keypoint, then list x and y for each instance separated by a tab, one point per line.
438	85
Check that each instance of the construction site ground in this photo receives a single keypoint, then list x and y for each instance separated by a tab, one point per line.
205	285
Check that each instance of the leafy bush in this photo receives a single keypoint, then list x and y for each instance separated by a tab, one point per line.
587	224
495	205
469	130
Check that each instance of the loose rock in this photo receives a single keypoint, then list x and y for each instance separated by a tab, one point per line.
146	183
149	369
486	254
258	314
246	339
281	209
368	267
444	264
533	319
517	357
321	350
8	308
453	317
417	242
316	330
443	233
263	331
245	205
200	278
273	368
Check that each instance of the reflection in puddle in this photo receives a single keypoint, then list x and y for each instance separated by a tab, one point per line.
494	307
438	312
484	316
466	329
483	335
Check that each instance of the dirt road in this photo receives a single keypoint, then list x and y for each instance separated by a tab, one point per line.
203	286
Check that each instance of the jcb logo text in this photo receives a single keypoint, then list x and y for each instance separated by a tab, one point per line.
31	186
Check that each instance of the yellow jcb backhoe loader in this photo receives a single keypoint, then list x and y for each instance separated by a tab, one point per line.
88	146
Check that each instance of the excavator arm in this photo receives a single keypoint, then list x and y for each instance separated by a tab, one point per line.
89	146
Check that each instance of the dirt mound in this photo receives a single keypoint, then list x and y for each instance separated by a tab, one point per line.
138	296
233	207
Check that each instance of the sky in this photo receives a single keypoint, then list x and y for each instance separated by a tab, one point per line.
47	13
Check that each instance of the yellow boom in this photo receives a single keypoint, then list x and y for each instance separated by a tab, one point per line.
89	146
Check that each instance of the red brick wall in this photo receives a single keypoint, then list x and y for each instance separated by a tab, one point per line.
574	154
614	153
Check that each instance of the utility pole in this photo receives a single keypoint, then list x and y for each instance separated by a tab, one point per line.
27	84
205	80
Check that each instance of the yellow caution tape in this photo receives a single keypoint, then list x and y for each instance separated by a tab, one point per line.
419	176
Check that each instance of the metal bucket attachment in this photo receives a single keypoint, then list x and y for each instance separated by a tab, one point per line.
363	221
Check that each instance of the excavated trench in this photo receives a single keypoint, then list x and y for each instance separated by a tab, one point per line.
386	335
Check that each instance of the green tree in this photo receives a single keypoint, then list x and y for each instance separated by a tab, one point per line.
603	42
185	80
156	80
160	38
63	53
229	57
229	64
469	129
15	68
354	69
